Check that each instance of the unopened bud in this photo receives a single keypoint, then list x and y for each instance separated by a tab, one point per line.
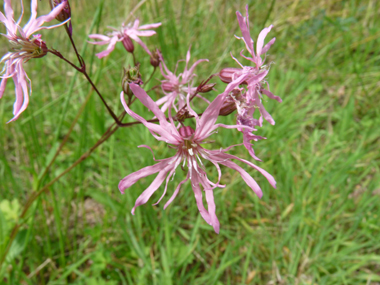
227	74
182	115
207	88
155	58
131	75
128	44
229	104
65	12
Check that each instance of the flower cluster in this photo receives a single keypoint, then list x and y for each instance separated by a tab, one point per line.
250	98
188	142
244	92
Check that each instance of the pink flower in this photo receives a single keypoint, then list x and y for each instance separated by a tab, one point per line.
24	47
176	87
189	150
254	77
124	35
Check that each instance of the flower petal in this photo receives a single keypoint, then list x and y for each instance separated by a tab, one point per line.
176	192
144	197
260	40
211	210
198	197
244	30
110	47
246	177
268	45
132	178
149	26
270	95
165	134
137	39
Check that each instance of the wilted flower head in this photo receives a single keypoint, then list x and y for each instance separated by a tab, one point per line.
189	151
126	34
24	46
177	87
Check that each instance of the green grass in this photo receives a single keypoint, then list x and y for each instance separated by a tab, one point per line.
320	226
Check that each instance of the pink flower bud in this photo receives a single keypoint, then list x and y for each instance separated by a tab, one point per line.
207	88
226	74
65	13
229	104
128	44
155	58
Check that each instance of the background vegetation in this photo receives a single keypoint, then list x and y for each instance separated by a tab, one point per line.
320	226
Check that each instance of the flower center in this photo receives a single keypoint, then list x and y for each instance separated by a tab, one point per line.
28	48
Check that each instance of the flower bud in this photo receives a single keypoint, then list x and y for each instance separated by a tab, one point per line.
182	114
207	88
128	44
65	13
229	104
131	75
155	58
226	74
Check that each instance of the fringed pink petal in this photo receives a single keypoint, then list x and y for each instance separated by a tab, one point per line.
268	176
8	10
198	197
132	178
34	24
99	37
176	192
144	197
110	48
260	40
144	33
246	177
211	210
149	26
270	95
137	39
165	134
268	45
244	30
265	114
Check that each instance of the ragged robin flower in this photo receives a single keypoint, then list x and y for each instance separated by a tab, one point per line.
187	143
253	81
24	46
125	34
175	86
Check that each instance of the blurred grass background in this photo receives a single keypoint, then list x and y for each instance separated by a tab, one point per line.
321	224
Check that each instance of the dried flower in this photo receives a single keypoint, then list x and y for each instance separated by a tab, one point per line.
24	46
188	145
